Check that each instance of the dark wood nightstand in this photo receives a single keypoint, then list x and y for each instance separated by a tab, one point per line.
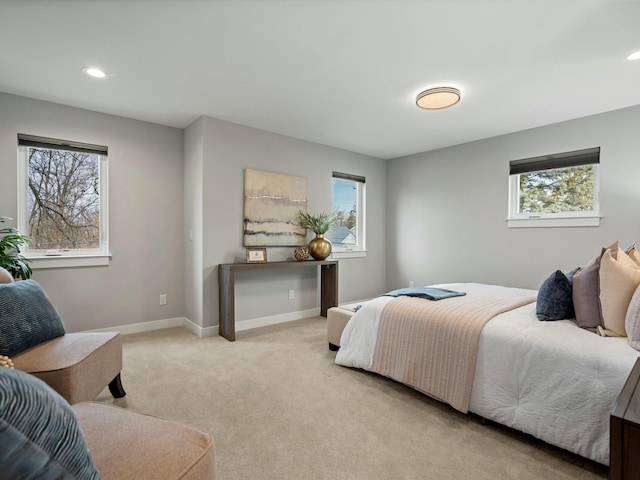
624	455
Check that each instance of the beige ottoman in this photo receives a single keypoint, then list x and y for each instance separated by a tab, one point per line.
337	318
126	445
77	365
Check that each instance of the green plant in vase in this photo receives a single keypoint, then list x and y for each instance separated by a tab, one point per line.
11	241
319	247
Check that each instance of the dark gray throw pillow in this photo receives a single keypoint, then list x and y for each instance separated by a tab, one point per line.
555	300
27	317
39	433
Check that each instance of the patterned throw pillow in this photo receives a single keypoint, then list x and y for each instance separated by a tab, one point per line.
39	432
27	317
555	297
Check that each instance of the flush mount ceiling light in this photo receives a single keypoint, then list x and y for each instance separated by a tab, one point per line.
437	98
634	56
94	72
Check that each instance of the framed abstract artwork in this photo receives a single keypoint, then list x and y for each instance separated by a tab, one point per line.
271	204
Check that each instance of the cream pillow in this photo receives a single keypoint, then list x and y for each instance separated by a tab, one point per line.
632	321
619	278
634	254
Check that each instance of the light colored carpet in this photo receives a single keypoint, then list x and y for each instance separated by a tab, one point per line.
280	408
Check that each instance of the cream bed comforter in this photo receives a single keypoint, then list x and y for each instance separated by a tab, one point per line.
552	380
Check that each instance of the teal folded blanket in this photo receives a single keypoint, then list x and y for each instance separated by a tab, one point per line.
428	293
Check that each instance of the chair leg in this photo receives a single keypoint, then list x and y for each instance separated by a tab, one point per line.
116	388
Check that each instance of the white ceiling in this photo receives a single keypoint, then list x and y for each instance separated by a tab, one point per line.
338	72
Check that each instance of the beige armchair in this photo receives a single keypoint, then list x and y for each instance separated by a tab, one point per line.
130	445
76	365
45	437
122	444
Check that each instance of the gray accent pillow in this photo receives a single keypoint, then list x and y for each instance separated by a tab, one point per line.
27	317
555	297
39	432
586	295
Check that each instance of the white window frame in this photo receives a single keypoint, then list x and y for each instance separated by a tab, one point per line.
63	258
587	218
360	249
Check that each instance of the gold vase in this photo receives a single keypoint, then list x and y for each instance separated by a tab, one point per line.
320	247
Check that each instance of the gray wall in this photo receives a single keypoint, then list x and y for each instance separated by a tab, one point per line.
192	222
433	217
446	209
227	150
176	212
145	209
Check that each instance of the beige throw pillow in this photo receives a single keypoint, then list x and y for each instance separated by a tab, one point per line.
619	278
632	321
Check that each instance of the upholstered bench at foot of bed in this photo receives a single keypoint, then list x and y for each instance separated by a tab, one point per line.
77	365
337	318
129	445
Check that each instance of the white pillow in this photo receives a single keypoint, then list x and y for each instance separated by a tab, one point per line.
632	321
619	278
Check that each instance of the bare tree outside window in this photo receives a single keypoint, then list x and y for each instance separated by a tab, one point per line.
63	199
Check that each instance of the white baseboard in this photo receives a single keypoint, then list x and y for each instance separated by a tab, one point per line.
200	331
208	331
274	319
145	326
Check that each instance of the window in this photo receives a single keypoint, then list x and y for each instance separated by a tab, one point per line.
348	233
555	190
63	198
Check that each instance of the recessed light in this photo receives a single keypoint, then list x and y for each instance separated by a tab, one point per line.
94	72
438	98
634	56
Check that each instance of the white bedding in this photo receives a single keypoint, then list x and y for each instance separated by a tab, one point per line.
552	380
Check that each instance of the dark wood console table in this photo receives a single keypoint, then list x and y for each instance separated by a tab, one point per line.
625	430
226	288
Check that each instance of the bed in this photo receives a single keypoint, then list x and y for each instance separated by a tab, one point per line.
551	379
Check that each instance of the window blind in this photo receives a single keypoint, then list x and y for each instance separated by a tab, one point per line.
52	143
588	156
348	176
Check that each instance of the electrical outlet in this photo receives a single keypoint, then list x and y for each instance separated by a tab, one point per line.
410	283
163	299
292	294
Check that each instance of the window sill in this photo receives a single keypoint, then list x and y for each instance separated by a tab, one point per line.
39	262
542	222
348	254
